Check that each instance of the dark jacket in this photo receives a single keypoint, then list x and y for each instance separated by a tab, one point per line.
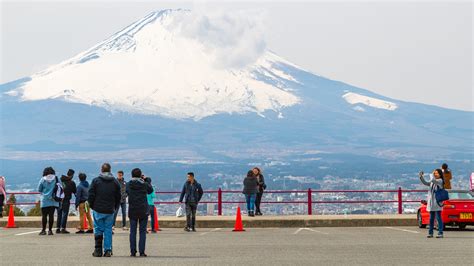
82	192
261	183
69	187
250	185
123	190
104	194
191	192
137	190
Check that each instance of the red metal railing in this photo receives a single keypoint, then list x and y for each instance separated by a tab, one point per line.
309	193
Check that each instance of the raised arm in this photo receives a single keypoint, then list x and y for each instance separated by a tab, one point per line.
423	181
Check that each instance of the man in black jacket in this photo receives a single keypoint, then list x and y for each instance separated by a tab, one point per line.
137	190
69	189
104	198
192	193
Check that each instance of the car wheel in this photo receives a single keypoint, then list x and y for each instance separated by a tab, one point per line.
420	221
462	226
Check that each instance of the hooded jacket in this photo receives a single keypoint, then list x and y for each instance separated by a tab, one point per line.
46	187
104	194
69	187
82	192
137	190
2	187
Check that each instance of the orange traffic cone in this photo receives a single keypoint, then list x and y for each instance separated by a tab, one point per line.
11	218
157	226
239	227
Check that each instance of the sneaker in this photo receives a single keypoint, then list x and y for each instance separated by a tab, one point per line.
58	231
97	253
64	231
90	231
50	233
108	253
113	227
80	232
439	236
187	229
259	214
193	229
429	236
42	233
133	254
142	255
124	228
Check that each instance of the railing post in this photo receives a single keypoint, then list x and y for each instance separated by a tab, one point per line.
400	201
310	202
219	201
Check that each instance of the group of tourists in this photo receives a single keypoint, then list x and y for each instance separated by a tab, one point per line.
106	196
439	179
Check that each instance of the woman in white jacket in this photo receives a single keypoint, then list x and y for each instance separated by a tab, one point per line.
434	207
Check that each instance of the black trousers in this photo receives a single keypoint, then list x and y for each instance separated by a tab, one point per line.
47	212
258	200
191	208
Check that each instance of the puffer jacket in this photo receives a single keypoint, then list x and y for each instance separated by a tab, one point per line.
104	194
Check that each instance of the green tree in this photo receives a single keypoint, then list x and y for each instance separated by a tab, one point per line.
17	211
35	211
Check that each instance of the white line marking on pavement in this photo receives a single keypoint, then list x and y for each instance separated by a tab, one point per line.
27	233
403	230
309	229
213	230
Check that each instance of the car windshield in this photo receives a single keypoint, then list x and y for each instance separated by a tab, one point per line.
461	195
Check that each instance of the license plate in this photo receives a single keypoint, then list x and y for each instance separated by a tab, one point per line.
465	216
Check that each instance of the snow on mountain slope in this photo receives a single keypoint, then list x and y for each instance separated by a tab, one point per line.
154	67
354	98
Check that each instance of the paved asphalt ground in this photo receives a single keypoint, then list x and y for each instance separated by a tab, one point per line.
265	246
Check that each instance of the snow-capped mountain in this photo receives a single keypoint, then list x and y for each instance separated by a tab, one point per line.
168	82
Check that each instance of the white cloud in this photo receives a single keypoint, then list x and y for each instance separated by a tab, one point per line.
234	39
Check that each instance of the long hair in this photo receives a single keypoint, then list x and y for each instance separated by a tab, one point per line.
259	171
441	175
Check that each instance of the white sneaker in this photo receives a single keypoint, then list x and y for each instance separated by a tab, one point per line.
125	228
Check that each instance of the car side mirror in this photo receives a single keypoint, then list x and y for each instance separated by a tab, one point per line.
424	202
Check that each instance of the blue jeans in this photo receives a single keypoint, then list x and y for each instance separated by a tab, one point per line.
151	210
65	213
133	235
103	226
123	206
440	222
250	199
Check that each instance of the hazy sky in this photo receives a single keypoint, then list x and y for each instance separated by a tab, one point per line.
414	51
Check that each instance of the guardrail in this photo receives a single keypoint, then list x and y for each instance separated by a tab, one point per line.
309	194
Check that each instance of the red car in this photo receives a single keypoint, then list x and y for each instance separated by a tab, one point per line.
457	211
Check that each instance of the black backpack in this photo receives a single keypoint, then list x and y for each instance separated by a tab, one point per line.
58	191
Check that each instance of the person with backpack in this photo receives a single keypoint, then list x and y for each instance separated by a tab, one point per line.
250	191
192	193
3	194
69	187
48	188
123	201
137	190
151	205
447	176
261	187
434	207
104	198
82	194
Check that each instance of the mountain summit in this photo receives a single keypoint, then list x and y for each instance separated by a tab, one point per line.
155	66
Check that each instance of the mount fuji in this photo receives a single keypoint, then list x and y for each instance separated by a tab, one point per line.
173	85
